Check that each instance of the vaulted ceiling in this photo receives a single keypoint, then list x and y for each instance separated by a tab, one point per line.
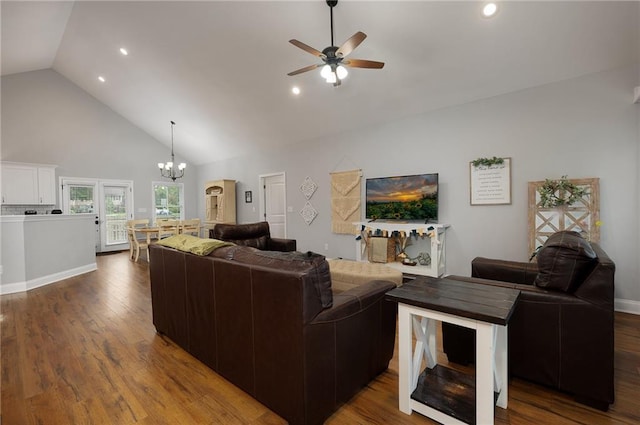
219	68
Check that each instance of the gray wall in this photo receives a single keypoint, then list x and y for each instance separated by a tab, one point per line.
583	127
47	119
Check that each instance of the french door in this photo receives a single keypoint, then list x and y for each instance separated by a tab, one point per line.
110	201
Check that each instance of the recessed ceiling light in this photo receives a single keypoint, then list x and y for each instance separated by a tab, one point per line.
101	78
295	90
489	9
124	51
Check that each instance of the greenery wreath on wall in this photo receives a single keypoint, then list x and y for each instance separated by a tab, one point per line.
556	193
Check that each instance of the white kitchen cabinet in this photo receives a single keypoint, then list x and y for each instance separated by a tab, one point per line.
28	184
47	185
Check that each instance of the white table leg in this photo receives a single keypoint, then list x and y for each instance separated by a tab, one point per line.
484	374
501	365
405	384
431	343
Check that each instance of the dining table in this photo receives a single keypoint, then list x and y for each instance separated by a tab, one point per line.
148	231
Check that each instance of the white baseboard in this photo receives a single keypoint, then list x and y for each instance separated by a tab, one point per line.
12	288
627	306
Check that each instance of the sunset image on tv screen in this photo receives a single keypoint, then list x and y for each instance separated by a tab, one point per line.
403	197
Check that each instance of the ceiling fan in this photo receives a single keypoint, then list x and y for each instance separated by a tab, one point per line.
333	68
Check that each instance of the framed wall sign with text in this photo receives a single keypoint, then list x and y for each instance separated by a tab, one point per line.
490	183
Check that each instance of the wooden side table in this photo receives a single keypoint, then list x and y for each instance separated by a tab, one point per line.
443	394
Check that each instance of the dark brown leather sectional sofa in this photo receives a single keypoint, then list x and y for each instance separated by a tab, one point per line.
561	333
270	324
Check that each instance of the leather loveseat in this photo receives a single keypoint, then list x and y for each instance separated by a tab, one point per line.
256	235
561	333
269	323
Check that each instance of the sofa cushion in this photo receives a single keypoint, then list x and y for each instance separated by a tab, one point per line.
564	261
346	274
193	244
315	264
259	242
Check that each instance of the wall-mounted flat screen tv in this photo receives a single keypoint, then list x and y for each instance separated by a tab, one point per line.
403	198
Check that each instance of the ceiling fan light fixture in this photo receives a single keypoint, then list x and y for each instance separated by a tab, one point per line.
331	79
333	70
325	72
342	72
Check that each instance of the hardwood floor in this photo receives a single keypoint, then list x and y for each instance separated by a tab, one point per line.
84	351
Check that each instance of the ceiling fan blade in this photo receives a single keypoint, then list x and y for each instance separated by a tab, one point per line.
307	48
351	44
305	69
361	63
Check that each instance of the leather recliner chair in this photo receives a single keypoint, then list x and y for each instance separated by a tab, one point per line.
256	235
561	333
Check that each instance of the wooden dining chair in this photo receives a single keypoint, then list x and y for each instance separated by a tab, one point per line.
191	226
167	227
135	242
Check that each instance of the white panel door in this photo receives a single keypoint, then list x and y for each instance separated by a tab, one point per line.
115	210
275	210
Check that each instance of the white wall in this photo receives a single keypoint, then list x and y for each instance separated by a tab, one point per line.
583	127
47	119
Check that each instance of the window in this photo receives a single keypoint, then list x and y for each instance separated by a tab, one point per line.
168	200
81	198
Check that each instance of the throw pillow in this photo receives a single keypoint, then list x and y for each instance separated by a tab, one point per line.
564	261
193	244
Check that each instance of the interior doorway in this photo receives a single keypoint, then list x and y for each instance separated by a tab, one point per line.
273	203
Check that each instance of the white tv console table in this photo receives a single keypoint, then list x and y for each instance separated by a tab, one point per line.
415	234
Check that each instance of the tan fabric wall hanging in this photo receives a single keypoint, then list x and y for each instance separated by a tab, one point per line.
345	201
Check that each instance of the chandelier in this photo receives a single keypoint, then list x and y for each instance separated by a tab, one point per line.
167	170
